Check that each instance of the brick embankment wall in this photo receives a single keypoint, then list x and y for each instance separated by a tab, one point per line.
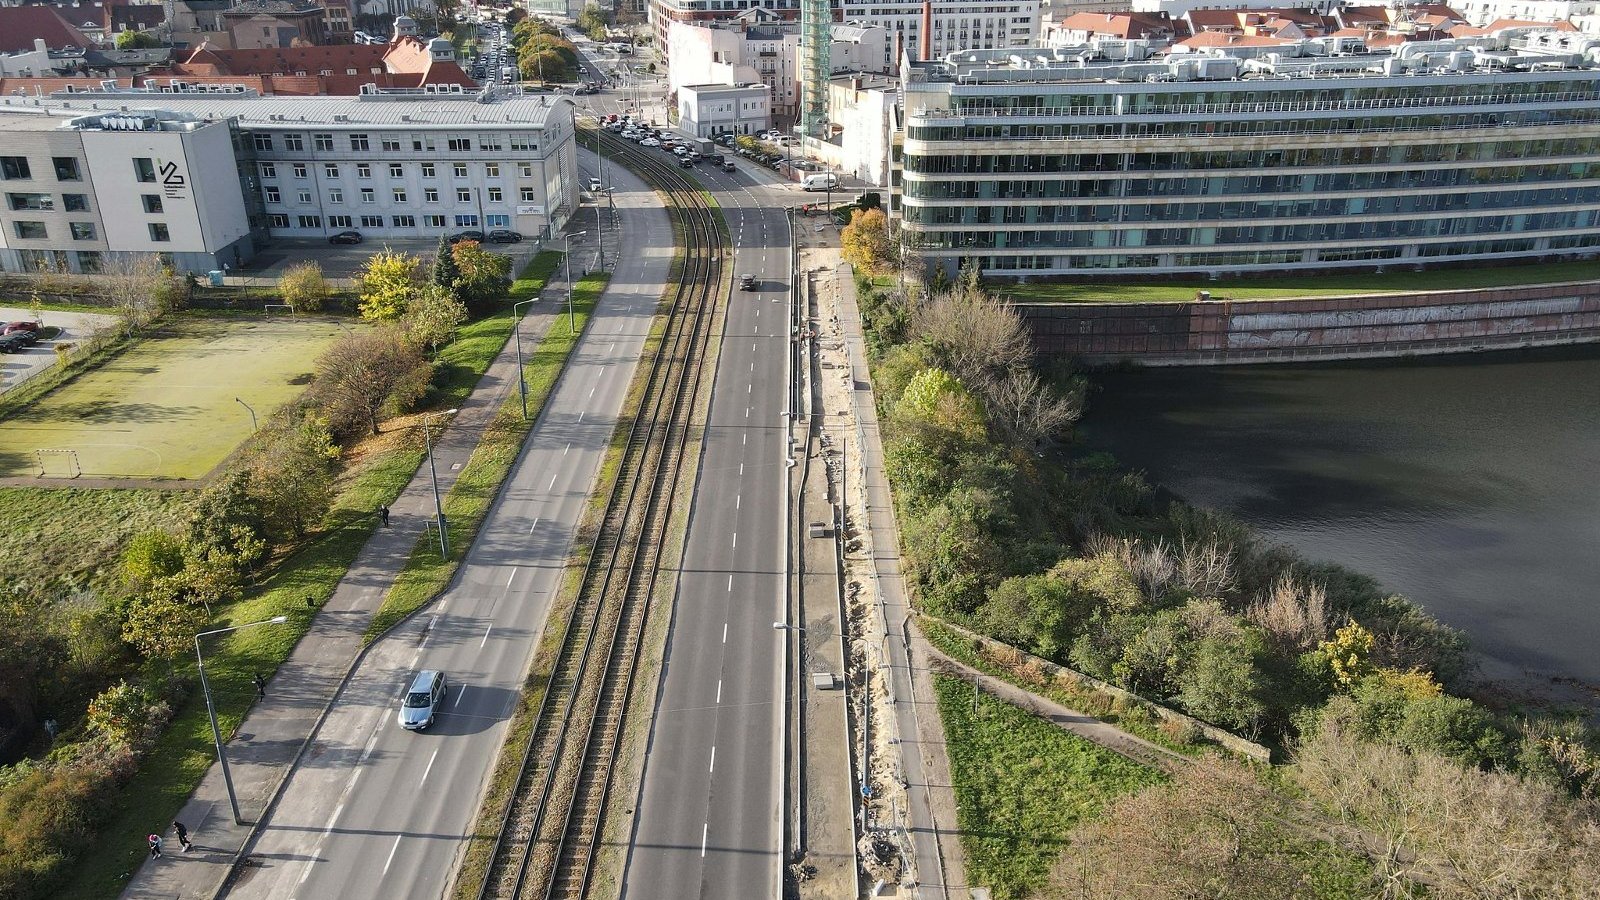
1222	332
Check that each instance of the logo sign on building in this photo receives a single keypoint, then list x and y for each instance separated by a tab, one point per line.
530	210
174	186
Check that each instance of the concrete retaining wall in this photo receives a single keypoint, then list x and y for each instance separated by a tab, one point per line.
1258	331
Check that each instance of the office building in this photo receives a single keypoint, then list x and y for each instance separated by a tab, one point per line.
1099	159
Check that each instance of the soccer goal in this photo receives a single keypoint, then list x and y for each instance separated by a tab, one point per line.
58	463
278	310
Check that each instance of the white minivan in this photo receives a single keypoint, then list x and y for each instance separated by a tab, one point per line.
822	181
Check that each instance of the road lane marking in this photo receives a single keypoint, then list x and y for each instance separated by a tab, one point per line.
580	416
713	766
430	766
511	576
591	392
534	525
724	632
747	412
730	590
736	540
741	470
705	832
750	388
719	700
391	853
738	501
744	440
568	450
552	482
485	637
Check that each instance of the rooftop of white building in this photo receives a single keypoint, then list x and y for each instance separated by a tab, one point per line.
409	110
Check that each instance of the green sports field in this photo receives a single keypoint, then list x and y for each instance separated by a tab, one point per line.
166	408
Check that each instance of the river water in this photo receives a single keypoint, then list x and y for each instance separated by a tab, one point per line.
1469	484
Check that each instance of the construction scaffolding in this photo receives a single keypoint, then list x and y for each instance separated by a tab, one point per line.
816	64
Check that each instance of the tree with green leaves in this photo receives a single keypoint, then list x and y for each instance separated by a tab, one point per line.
485	276
161	624
362	372
936	400
386	284
292	477
433	316
149	556
137	40
866	243
592	22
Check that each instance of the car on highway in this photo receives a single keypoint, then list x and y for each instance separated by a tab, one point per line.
503	236
345	237
422	700
680	150
747	282
594	185
649	142
728	166
471	234
685	162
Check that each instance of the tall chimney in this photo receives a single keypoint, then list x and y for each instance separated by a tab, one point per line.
927	30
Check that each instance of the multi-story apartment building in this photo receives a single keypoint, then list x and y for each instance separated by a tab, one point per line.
82	186
1072	163
406	164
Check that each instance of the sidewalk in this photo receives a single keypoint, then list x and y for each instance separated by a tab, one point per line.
262	753
937	867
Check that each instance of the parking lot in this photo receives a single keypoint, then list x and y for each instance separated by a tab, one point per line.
342	262
15	368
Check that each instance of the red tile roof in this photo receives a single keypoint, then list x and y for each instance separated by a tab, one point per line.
19	25
1122	25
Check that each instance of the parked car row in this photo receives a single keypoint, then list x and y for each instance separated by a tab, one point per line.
498	236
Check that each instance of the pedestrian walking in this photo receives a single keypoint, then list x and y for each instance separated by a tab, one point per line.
383	515
261	685
155	846
183	835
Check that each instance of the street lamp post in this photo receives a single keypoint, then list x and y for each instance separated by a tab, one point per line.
522	381
572	322
253	425
211	709
433	474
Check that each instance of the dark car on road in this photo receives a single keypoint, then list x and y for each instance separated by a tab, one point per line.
346	237
502	236
468	235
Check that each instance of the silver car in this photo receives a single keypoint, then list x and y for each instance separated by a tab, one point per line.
422	701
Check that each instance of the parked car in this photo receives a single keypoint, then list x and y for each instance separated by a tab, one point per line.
33	328
503	236
345	237
14	342
422	701
471	234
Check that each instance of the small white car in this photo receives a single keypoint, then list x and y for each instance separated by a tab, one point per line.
594	185
649	142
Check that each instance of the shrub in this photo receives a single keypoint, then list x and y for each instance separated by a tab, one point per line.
303	287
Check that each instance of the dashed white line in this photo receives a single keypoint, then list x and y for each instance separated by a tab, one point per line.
552	483
580	415
741	470
534	525
744	440
719	700
430	765
511	576
736	540
713	766
730	590
591	391
724	632
738	501
397	847
705	833
485	641
568	450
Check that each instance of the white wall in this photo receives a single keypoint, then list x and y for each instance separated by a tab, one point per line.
203	210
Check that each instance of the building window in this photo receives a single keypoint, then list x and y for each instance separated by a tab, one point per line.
433	221
372	221
159	233
396	170
336	196
305	197
461	170
269	170
263	141
294	142
498	221
525	170
391	144
463	195
81	231
363	170
359	142
323	141
300	170
427	170
404	221
310	221
466	220
430	195
491	170
528	195
31	201
278	220
67	168
330	170
144	169
496	195
399	195
368	195
75	202
89	262
29	231
339	221
460	145
489	142
271	192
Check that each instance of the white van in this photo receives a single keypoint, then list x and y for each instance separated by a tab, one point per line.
823	181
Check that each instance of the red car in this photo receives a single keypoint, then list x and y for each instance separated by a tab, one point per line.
611	118
32	327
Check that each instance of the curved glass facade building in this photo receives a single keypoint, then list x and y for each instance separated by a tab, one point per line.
1062	162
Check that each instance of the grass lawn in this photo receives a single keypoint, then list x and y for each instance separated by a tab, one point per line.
1021	785
166	407
70	534
1322	285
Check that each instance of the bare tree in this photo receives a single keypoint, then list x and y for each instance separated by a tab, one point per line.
1151	565
1205	568
1293	613
1028	409
977	338
134	283
360	373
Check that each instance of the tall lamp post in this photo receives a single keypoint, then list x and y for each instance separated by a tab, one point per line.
522	381
566	239
433	474
211	709
253	425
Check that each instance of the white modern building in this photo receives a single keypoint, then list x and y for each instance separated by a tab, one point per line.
708	109
1483	12
740	54
400	164
83	186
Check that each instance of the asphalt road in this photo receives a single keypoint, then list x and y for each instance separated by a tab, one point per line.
376	811
710	814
